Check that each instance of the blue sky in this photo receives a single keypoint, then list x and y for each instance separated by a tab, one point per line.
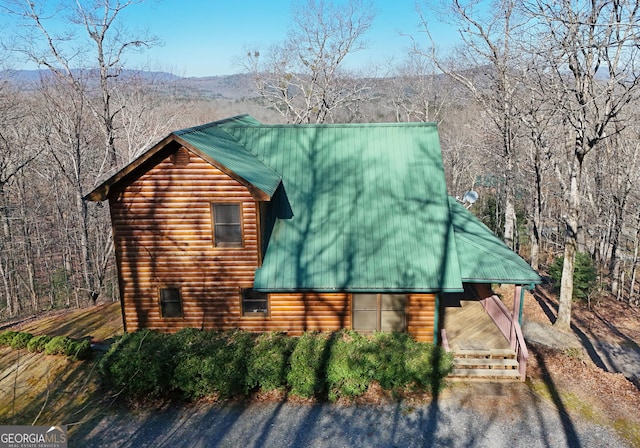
207	37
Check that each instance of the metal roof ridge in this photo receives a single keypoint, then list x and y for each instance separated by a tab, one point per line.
202	127
344	125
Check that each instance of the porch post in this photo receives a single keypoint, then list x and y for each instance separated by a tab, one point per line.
515	313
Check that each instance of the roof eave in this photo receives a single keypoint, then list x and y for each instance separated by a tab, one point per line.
504	281
101	192
256	193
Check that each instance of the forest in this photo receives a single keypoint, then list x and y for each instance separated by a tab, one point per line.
537	107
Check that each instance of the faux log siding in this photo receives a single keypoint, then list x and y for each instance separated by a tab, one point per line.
421	313
299	312
163	237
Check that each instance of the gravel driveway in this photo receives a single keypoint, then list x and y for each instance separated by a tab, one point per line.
472	415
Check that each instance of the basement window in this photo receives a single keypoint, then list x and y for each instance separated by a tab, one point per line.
170	302
227	225
379	312
254	303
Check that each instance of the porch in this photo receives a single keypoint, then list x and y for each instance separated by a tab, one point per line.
469	327
483	336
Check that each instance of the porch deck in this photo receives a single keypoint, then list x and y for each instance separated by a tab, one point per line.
469	327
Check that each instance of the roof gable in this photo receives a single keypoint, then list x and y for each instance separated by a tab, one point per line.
212	144
217	146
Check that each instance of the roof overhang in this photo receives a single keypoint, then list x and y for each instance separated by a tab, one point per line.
153	156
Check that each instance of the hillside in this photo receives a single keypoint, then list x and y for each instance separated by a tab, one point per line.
40	389
221	87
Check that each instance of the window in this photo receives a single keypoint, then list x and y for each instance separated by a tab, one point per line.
170	302
227	226
254	303
379	312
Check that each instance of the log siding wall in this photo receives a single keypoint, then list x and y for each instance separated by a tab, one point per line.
163	236
421	315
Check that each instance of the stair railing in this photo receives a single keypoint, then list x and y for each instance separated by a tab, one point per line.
510	328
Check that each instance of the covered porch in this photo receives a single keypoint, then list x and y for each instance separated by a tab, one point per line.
482	334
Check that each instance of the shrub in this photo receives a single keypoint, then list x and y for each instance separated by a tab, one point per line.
80	350
269	364
140	364
391	350
58	345
38	343
584	275
20	340
6	337
427	366
212	363
308	365
349	369
203	363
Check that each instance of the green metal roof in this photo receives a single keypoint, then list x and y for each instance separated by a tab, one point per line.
218	145
483	257
356	207
364	208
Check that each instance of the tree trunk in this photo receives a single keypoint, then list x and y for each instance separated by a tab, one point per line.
509	220
6	263
537	212
570	244
616	232
634	265
87	262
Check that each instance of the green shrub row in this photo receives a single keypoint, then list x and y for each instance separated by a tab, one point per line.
56	345
197	363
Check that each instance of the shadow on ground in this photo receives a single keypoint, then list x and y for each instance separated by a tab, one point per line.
491	415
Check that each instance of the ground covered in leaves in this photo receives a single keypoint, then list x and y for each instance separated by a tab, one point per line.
575	378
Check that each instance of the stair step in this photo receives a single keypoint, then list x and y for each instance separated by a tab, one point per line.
486	373
490	353
491	363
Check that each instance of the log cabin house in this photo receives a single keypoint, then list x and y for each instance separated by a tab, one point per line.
239	224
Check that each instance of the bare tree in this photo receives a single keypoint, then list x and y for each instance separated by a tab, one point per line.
305	78
79	110
16	152
148	116
64	54
485	63
589	51
417	91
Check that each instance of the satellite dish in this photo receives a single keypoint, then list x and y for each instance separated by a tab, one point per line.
470	197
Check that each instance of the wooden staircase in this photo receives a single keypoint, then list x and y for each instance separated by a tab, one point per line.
485	364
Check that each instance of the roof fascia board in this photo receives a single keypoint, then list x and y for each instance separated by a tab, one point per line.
255	192
101	192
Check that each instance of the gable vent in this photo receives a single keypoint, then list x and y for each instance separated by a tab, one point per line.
180	157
